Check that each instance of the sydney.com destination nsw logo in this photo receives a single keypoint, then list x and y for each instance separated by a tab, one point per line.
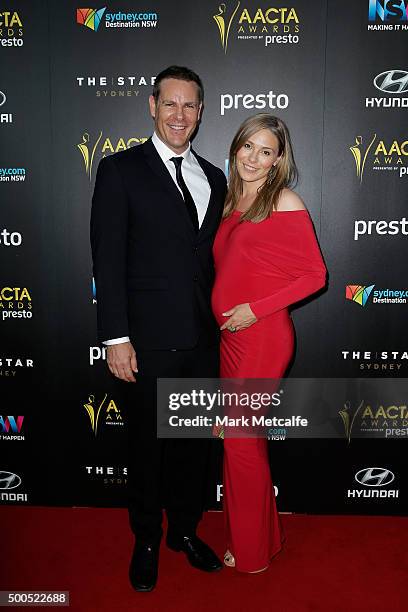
270	25
360	294
93	18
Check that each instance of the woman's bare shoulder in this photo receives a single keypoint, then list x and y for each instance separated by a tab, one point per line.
289	200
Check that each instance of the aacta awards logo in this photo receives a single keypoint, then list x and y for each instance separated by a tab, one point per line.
11	29
100	147
106	409
380	155
270	25
393	15
390	420
15	303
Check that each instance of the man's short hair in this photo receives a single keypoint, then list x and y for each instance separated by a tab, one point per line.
182	74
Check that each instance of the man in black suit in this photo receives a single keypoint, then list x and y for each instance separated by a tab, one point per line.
155	211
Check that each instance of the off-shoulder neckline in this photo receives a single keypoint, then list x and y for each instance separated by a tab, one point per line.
280	212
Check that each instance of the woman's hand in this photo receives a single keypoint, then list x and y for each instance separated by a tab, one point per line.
240	317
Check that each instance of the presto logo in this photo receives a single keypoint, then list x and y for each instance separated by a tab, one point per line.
250	101
380	228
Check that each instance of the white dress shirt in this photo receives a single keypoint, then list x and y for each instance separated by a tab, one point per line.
195	180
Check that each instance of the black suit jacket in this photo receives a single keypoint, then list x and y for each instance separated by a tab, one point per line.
153	273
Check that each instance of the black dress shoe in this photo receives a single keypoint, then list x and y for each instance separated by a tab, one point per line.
198	553
143	567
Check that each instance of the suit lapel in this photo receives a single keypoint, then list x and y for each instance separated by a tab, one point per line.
157	166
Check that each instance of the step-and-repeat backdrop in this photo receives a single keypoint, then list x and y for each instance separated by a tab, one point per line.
74	88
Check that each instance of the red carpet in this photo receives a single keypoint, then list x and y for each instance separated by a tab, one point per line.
329	564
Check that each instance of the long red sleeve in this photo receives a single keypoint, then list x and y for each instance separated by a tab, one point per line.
295	251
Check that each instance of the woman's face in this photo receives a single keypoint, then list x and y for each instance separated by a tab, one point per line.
257	156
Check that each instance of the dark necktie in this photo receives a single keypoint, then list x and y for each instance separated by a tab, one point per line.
188	200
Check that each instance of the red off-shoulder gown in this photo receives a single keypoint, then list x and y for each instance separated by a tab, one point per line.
270	265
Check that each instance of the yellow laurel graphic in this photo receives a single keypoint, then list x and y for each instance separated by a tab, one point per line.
357	153
94	415
221	23
88	155
348	420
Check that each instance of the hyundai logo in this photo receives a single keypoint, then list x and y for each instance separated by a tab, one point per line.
8	480
2	98
374	477
392	81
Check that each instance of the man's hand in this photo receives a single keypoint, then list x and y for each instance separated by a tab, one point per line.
121	359
240	317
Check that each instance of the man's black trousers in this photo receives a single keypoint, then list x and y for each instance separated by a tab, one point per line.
165	473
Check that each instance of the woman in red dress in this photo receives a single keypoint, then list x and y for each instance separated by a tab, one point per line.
266	258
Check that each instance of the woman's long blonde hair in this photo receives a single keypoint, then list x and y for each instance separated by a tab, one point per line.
283	174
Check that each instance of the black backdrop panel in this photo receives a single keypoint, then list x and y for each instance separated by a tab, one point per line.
74	94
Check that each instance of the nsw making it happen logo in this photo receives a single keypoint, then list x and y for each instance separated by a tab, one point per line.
10	427
92	18
392	13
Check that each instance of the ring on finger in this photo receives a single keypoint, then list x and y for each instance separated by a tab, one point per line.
232	328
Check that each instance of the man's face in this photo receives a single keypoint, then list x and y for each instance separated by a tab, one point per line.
176	113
